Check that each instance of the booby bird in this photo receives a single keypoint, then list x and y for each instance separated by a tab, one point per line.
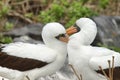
85	58
19	59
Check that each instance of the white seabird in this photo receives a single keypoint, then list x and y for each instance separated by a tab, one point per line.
85	58
18	60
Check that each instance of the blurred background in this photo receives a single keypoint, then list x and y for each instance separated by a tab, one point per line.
22	20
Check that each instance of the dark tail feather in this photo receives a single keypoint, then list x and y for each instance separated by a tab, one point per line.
116	74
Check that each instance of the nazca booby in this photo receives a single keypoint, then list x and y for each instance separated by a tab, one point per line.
18	60
85	58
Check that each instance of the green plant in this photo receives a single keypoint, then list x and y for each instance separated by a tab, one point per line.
4	9
65	12
76	11
55	13
110	47
29	15
84	1
4	39
8	26
103	3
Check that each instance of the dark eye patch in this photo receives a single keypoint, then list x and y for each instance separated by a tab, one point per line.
78	29
60	35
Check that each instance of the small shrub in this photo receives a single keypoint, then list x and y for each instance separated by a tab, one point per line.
4	9
8	26
4	39
103	3
65	12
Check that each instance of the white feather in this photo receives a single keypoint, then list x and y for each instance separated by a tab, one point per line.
85	58
102	61
34	51
54	51
1	78
11	74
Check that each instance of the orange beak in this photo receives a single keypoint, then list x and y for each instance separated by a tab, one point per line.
71	30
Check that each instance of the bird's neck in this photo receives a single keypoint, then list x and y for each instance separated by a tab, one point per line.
51	68
86	36
60	60
56	45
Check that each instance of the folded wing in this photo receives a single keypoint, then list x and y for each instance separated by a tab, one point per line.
25	56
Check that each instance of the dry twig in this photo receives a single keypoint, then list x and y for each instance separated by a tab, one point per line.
79	77
13	13
111	70
104	72
27	77
112	66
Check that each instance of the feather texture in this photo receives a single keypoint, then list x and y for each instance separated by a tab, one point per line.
86	58
34	51
37	59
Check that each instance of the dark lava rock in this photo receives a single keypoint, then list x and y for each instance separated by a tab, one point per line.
31	30
108	30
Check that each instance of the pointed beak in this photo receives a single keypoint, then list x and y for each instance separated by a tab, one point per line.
71	30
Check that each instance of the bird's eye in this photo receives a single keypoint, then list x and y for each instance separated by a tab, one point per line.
60	35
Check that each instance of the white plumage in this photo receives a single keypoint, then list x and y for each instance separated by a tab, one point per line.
85	58
34	51
53	52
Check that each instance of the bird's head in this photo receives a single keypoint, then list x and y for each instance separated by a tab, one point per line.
79	24
55	31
